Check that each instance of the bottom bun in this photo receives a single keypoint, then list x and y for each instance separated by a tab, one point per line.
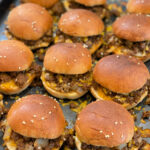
69	95
98	94
10	88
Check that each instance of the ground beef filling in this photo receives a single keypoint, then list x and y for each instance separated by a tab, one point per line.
88	42
101	11
130	48
130	98
20	78
69	83
42	42
25	143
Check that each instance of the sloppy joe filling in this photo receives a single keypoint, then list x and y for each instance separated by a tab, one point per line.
68	83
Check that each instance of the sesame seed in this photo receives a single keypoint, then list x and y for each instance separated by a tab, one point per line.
78	119
67	63
122	136
121	122
32	121
56	60
42	12
34	29
19	68
130	56
54	107
85	46
23	122
101	131
74	45
89	20
0	56
116	123
139	63
34	116
4	56
107	136
42	118
112	133
41	103
50	112
117	56
75	60
82	54
88	55
39	147
138	25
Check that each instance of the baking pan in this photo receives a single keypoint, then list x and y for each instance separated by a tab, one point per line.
69	114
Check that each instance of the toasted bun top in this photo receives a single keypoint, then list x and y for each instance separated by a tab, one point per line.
37	116
68	58
104	123
14	56
133	27
44	3
91	2
80	22
29	21
138	6
121	74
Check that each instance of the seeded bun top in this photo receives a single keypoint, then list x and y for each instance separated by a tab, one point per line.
139	6
91	2
37	116
44	3
68	58
104	123
132	27
14	56
29	21
80	22
120	73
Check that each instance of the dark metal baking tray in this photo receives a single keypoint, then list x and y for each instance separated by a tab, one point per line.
69	114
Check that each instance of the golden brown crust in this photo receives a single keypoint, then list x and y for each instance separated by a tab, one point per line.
91	2
14	56
68	58
120	73
62	95
80	22
29	21
44	3
37	116
132	27
104	123
138	6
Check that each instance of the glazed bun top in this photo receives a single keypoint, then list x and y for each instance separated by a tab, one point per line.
29	21
91	2
132	27
121	74
104	123
37	116
81	23
14	56
139	6
44	3
68	58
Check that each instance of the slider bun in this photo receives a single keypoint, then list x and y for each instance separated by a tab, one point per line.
91	2
68	58
14	56
133	27
120	73
44	3
139	6
104	123
29	21
37	116
80	22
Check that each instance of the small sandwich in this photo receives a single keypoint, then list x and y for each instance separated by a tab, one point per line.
80	26
17	69
31	24
34	122
130	35
103	125
97	6
120	78
67	70
138	6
